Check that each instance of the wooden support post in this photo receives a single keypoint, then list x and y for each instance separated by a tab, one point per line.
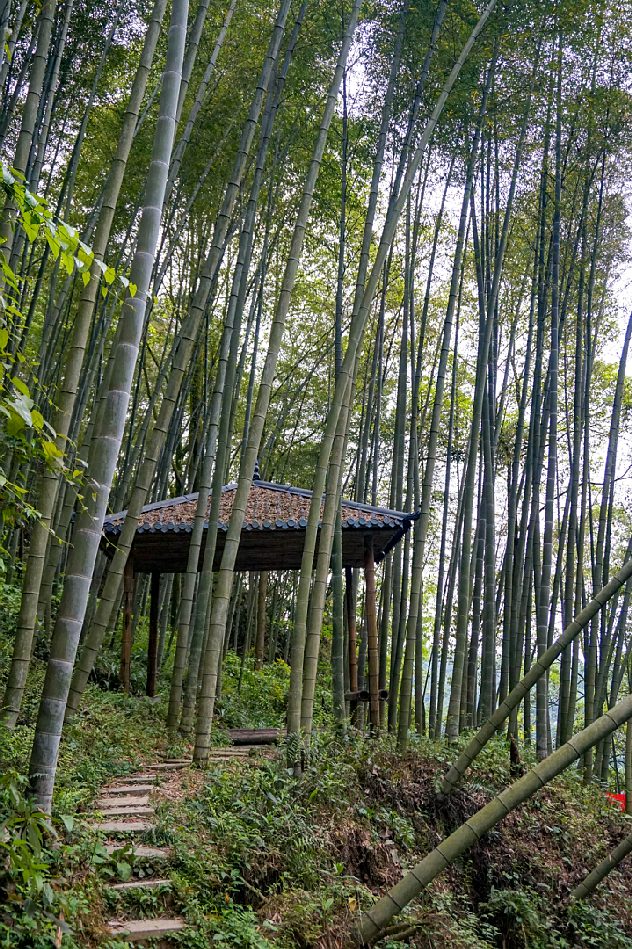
261	619
353	647
126	644
152	648
371	626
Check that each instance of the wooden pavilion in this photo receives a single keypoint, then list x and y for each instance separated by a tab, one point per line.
272	538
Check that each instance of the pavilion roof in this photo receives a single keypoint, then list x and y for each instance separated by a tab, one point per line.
275	511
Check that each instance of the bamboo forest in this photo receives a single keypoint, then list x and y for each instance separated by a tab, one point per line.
315	474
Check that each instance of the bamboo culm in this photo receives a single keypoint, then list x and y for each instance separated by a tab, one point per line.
472	830
107	440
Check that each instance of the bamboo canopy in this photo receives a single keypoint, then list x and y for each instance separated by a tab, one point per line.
273	533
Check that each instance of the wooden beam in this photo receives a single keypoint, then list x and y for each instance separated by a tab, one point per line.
371	627
258	549
363	695
126	643
152	648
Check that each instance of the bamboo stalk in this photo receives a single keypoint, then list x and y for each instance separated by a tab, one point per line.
538	669
469	833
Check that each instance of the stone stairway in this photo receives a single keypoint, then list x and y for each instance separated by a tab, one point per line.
124	809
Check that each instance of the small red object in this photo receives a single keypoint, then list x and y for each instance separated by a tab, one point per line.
620	798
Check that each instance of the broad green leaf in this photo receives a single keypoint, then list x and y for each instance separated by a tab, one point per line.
51	452
54	246
30	225
21	386
22	405
15	424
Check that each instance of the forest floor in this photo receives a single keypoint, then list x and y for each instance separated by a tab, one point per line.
260	860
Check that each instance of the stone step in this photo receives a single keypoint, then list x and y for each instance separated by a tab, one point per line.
107	802
124	789
176	760
140	884
147	853
143	777
122	827
120	810
225	759
135	929
225	753
176	766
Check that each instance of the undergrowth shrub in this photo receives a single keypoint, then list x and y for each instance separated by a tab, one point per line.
34	912
252	699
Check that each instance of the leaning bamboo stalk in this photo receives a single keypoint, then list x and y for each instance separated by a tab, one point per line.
362	305
180	148
54	80
233	537
544	662
107	440
421	526
612	861
193	43
8	46
29	116
319	585
221	412
300	618
181	361
47	493
472	830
